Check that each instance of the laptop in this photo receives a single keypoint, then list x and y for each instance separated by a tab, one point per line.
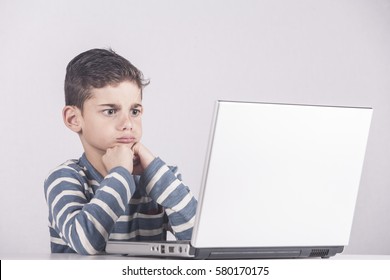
279	181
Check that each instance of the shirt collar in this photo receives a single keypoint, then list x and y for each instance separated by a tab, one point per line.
91	172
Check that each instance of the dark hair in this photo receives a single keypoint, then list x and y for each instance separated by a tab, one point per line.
97	68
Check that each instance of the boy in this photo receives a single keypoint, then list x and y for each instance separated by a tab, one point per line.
118	189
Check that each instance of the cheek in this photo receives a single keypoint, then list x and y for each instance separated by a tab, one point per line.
97	129
139	127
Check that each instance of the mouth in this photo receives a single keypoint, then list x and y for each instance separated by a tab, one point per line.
126	140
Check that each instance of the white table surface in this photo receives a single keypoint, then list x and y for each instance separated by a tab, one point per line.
67	256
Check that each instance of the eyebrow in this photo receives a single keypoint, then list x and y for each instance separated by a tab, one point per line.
133	106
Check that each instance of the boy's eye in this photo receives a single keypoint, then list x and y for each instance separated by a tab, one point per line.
135	112
109	112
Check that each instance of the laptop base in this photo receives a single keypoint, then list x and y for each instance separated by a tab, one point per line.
184	249
267	253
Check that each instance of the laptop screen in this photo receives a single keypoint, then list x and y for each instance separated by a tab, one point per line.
281	175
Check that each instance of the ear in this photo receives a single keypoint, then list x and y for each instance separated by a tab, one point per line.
72	118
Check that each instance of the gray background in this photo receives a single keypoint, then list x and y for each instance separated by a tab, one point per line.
194	52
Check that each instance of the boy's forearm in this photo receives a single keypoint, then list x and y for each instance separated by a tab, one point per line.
163	186
85	225
116	189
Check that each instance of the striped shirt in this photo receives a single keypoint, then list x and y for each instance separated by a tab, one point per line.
85	209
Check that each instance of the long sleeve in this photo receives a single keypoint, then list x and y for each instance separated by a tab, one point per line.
165	187
81	222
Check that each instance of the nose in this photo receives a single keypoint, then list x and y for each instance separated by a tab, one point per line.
125	123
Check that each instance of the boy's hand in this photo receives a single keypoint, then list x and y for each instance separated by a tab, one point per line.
121	155
142	158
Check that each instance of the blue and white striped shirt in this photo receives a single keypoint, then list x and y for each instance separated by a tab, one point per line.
85	209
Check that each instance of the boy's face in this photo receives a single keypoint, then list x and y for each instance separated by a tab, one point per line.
111	117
